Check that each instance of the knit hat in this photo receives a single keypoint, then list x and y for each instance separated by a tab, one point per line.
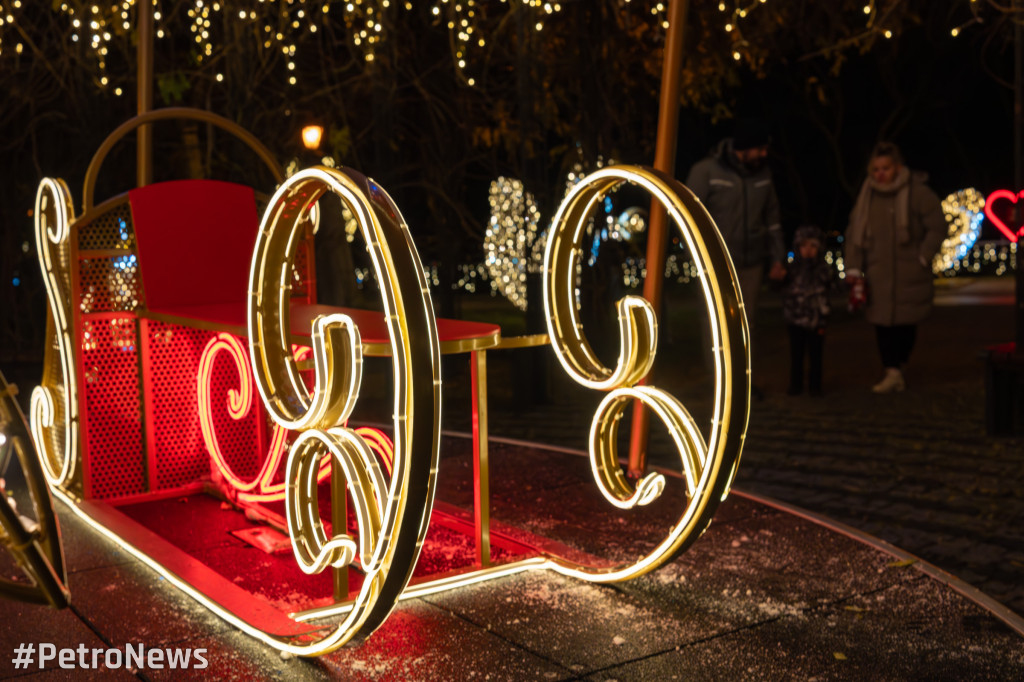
807	233
750	133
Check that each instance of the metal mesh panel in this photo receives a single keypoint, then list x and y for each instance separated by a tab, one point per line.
110	230
110	284
236	438
181	455
111	388
176	437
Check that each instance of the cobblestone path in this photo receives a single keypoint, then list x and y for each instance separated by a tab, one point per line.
915	469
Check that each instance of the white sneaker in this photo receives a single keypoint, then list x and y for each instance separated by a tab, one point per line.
892	382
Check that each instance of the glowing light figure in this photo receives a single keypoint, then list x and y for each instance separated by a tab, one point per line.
392	514
511	232
1000	195
392	509
52	402
964	213
512	245
708	467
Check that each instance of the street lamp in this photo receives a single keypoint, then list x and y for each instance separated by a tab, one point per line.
311	136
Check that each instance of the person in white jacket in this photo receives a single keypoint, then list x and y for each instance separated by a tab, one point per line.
896	228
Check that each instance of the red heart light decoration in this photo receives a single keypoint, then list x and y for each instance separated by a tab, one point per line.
996	220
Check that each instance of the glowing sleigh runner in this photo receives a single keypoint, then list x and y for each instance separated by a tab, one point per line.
233	389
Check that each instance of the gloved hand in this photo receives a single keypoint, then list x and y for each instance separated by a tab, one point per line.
858	293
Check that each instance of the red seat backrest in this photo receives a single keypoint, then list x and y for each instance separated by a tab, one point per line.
195	241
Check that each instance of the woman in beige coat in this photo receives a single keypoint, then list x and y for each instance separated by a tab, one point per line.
895	230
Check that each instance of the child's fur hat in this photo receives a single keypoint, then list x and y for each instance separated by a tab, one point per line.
808	233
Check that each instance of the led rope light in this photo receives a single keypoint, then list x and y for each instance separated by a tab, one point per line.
53	213
392	515
1011	233
313	550
238	405
708	467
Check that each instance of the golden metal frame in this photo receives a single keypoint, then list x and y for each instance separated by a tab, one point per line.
166	114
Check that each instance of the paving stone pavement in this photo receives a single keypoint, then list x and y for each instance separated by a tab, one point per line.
915	469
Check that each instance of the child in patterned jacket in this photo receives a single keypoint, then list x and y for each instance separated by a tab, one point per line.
805	307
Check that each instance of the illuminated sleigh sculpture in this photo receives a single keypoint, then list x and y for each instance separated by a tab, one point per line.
132	406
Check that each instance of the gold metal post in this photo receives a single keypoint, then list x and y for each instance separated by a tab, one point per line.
481	465
664	160
339	525
144	85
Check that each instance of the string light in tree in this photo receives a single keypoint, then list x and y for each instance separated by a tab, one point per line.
92	24
98	25
879	21
281	25
6	18
736	11
976	17
464	21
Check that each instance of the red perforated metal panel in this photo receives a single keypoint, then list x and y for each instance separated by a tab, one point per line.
111	390
109	284
171	379
180	451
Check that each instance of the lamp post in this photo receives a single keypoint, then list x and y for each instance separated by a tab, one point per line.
311	136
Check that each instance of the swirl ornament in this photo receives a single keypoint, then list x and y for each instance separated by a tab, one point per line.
708	467
392	514
262	487
239	402
54	403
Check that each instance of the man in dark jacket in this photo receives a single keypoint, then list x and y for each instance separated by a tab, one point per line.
735	185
